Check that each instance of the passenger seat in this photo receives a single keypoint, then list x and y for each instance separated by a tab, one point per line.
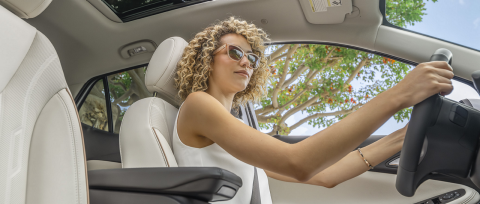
42	157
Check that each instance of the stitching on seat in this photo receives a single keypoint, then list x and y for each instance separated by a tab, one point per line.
154	133
83	145
161	147
72	135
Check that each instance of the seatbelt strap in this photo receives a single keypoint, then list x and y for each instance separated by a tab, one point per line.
255	189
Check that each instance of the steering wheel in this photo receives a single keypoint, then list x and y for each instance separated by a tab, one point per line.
415	146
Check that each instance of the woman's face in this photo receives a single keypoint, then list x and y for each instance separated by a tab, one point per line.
226	73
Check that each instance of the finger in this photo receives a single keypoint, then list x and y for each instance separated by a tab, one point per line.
443	80
445	88
440	64
445	73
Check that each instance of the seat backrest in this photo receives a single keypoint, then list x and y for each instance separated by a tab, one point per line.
147	126
41	146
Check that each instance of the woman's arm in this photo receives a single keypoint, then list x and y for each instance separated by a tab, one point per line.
353	165
206	117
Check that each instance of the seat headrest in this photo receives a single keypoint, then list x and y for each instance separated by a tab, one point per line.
162	68
26	8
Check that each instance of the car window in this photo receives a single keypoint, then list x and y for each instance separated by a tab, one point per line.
313	86
123	89
94	109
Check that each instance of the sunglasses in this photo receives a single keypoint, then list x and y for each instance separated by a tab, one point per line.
236	53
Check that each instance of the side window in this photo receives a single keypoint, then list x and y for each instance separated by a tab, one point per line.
123	89
94	109
313	86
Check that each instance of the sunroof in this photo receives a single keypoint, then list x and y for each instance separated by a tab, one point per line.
128	10
454	21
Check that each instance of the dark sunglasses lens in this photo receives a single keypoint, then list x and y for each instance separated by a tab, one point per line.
253	61
235	53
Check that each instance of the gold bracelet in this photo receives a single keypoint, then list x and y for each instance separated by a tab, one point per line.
366	162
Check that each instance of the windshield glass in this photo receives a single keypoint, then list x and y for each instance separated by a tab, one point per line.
456	21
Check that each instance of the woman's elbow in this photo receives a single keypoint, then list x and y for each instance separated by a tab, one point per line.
300	173
323	183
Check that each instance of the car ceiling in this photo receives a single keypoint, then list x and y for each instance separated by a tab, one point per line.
88	43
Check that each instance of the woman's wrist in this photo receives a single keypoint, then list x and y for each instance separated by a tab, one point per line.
384	148
396	97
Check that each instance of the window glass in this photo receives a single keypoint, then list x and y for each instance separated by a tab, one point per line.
324	83
313	86
454	21
94	109
126	88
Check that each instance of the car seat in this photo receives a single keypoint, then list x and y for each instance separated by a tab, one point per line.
147	127
42	157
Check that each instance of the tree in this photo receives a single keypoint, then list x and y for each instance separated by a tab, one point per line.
316	78
125	88
405	12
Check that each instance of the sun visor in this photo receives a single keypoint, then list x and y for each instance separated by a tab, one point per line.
26	8
326	11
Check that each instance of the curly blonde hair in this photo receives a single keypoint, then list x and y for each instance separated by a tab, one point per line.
194	67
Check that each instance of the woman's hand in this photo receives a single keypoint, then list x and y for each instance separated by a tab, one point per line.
423	81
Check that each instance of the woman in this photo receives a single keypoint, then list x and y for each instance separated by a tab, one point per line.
224	66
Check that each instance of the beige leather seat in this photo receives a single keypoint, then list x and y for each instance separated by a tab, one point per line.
147	126
41	146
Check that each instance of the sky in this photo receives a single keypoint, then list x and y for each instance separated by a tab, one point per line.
456	21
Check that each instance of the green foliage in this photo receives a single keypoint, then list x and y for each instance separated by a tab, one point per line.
335	67
379	74
405	12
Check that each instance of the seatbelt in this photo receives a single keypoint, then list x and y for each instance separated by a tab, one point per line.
255	189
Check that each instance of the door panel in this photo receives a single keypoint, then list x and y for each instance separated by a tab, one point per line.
369	187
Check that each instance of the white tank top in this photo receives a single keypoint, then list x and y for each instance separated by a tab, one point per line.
215	156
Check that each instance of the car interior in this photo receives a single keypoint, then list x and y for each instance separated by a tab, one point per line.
56	53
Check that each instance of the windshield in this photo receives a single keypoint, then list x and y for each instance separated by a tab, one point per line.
456	21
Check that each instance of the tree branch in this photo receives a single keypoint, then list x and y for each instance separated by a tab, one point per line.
123	97
325	59
290	52
295	75
140	84
276	58
116	83
264	119
357	69
298	108
277	52
318	115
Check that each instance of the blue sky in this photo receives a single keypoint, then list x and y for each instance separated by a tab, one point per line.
456	21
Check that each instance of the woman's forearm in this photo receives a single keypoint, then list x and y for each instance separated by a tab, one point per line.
328	146
353	165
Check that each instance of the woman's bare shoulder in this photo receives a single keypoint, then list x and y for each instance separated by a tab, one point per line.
200	102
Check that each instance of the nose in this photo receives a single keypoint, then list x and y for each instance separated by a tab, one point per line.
244	62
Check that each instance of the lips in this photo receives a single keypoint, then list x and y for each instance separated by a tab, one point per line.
243	72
